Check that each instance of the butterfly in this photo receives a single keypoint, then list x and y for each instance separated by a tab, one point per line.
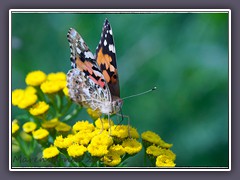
93	81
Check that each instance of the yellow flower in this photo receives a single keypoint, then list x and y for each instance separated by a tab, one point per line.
111	159
83	126
15	126
102	139
83	137
65	91
39	108
17	96
35	78
24	98
50	152
50	124
164	161
63	143
134	133
163	144
40	134
131	146
103	123
59	76
97	150
94	114
62	127
117	149
26	137
29	127
27	100
153	150
119	131
30	90
151	137
50	87
76	150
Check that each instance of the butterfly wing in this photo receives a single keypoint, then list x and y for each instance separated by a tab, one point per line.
85	80
106	59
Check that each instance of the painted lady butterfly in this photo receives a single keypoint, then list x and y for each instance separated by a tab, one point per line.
93	80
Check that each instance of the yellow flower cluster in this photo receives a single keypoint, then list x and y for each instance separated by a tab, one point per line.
54	83
35	78
102	142
40	134
76	150
50	124
23	98
28	127
39	108
50	152
98	143
158	149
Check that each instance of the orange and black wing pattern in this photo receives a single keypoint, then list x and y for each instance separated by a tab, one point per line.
106	59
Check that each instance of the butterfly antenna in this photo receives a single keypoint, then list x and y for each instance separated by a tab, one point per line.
150	90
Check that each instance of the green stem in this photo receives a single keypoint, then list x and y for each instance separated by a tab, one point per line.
66	108
73	114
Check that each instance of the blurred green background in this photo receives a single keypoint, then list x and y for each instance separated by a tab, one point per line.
185	55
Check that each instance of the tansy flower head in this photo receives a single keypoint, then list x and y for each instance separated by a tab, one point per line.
117	149
131	146
151	137
94	114
83	126
24	98
50	124
39	108
111	159
15	126
29	127
103	123
134	133
26	137
102	139
59	76
83	138
65	91
50	152
17	96
164	161
30	90
163	144
119	131
76	150
27	100
63	143
62	127
35	78
40	134
97	150
50	87
157	151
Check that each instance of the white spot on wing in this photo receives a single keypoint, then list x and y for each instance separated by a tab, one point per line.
78	51
105	42
111	48
88	54
110	31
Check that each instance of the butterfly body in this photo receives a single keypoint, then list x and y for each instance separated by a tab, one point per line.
93	80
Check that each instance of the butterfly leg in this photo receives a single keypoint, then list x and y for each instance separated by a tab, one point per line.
109	123
125	116
102	125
